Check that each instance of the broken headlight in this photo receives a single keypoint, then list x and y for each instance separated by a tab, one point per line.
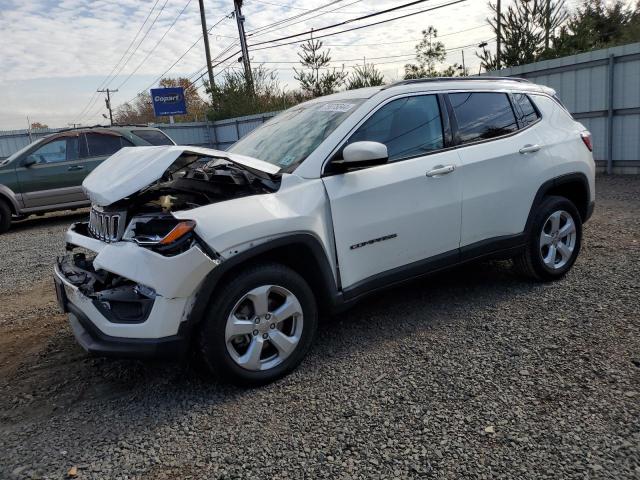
163	234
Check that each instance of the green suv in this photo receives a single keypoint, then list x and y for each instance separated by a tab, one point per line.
47	175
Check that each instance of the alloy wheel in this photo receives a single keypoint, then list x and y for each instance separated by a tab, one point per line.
264	327
558	239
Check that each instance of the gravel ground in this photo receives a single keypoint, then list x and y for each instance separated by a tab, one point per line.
474	373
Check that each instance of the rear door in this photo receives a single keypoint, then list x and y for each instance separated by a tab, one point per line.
96	147
389	218
48	174
500	152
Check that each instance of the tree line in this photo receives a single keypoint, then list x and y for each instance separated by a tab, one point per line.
531	31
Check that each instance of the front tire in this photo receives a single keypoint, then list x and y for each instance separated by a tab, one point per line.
5	216
554	241
259	326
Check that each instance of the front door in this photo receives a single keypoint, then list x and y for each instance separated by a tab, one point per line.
52	173
392	217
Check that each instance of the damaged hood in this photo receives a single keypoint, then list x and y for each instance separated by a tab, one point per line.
133	168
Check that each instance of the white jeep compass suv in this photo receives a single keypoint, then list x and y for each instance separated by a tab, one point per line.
234	253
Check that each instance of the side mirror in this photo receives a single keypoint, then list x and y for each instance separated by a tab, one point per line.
362	154
29	161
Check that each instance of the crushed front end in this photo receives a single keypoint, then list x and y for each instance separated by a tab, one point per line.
124	300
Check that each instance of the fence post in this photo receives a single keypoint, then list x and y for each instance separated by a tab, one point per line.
237	130
610	72
211	127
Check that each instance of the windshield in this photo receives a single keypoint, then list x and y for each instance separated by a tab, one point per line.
291	136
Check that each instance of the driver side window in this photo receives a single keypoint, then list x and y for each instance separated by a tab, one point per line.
60	150
409	127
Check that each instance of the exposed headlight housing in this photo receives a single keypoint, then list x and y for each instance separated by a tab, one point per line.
163	234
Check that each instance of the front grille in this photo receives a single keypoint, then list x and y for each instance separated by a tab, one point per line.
107	226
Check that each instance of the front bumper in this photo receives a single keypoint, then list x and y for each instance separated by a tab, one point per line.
157	327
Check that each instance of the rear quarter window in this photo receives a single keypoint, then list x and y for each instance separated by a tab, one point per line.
482	116
103	144
154	137
528	111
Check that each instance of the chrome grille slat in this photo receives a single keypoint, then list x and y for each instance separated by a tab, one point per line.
107	226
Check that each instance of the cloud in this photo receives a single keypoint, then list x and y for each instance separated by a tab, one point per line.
55	54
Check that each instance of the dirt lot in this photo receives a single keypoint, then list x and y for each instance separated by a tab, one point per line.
474	373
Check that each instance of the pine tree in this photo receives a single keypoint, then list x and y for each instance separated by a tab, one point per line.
429	53
365	76
527	27
315	60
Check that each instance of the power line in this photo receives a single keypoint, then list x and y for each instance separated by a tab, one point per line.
356	28
346	30
137	46
184	54
485	25
307	19
374	58
155	46
375	14
86	107
140	42
405	56
299	15
291	7
253	32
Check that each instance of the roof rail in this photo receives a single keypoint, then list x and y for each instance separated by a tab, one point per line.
454	79
88	127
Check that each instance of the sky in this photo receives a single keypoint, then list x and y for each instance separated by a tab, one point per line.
55	55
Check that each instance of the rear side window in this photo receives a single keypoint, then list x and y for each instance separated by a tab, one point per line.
482	116
154	137
102	145
409	127
529	112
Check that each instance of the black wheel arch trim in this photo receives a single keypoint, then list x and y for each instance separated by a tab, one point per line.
308	240
11	198
556	182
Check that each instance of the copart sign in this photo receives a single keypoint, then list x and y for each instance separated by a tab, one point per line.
168	101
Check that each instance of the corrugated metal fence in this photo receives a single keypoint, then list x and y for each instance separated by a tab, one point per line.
602	90
219	135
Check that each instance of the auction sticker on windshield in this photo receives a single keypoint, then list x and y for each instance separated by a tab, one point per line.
336	107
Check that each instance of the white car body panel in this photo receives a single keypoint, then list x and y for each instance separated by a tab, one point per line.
299	206
133	168
499	184
175	280
394	199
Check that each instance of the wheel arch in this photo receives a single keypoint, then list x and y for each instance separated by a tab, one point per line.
573	186
302	252
7	195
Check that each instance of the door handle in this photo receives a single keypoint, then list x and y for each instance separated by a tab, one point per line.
530	149
75	167
440	170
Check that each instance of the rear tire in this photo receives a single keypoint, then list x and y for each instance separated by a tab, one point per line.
5	216
259	326
554	240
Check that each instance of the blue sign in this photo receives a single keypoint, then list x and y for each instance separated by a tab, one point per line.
168	101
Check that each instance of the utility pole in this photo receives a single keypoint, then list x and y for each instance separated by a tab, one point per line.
207	52
499	39
547	24
243	43
107	102
464	67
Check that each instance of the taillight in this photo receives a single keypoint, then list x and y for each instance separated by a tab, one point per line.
586	138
